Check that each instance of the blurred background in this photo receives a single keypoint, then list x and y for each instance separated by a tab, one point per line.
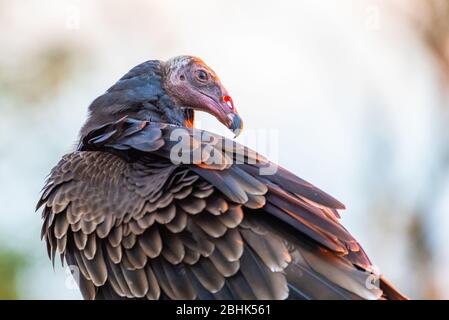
350	95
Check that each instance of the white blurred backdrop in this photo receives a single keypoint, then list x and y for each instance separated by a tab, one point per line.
355	94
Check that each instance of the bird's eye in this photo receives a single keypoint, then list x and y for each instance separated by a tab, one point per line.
202	76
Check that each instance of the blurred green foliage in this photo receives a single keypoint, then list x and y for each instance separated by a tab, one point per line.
11	263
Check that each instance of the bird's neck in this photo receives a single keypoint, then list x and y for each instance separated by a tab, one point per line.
139	95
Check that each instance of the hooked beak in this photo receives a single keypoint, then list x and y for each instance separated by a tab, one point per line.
223	109
235	124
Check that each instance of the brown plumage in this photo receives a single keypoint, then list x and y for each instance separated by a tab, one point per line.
146	208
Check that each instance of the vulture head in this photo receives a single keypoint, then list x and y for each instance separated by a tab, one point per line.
166	91
190	82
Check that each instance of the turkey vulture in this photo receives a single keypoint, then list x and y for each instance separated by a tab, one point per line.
148	207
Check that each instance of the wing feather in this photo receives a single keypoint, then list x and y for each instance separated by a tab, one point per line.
138	225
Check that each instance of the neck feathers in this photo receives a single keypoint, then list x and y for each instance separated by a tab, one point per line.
138	94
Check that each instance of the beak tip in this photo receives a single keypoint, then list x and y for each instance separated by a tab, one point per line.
236	124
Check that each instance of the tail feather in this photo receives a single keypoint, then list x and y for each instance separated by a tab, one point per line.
390	292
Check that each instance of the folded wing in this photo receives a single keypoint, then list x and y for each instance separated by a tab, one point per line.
149	210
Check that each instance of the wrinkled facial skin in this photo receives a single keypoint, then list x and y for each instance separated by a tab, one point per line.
191	83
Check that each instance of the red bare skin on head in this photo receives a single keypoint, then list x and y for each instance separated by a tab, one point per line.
192	84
